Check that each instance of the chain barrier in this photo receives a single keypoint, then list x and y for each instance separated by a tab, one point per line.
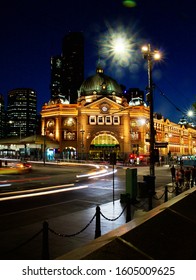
97	215
114	219
158	198
74	234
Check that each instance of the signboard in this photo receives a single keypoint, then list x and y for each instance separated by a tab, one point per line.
161	144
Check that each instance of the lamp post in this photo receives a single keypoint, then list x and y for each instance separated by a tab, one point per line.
150	56
82	142
120	48
44	146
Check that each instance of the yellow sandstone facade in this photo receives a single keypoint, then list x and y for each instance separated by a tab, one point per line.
103	122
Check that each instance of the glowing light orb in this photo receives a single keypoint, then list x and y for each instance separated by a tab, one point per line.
129	3
190	113
117	46
118	49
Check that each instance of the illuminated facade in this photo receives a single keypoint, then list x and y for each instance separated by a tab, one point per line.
103	121
2	117
21	112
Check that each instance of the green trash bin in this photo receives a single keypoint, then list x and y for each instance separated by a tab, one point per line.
131	183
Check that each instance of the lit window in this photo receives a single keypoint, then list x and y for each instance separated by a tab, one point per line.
69	135
108	120
69	122
100	120
116	120
92	120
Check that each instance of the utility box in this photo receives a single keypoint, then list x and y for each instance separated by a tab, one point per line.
131	183
150	184
142	190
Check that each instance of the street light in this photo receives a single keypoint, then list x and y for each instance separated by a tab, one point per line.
190	113
119	48
150	56
82	142
191	116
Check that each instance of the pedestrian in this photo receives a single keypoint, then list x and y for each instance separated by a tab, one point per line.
193	174
180	177
187	176
173	173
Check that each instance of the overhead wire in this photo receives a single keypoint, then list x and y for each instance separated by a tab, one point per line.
171	102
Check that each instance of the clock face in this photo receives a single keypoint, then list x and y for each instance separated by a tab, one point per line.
104	108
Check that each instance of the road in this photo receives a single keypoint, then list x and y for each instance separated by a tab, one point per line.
28	213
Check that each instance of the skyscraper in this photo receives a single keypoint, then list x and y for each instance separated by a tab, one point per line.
2	117
56	77
67	69
21	112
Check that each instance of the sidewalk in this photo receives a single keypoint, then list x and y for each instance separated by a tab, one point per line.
26	242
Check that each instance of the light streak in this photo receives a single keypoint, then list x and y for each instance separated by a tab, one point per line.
5	185
101	175
69	187
92	173
103	171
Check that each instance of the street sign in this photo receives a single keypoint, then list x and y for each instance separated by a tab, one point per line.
161	144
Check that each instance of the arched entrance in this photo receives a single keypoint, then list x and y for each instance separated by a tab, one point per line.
102	145
69	153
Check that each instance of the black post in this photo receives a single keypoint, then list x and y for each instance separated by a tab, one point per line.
45	242
166	193
98	223
113	183
128	216
113	162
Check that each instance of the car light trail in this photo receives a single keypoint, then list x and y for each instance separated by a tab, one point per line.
5	185
101	172
102	175
26	179
36	192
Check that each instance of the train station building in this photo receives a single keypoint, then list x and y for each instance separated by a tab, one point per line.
103	121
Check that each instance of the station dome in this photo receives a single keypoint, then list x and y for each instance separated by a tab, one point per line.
100	84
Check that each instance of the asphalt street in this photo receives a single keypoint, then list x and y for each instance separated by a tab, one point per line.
69	212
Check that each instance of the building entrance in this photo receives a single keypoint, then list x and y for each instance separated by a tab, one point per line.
103	145
69	153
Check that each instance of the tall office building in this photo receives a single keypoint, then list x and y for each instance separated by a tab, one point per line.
67	69
21	112
56	77
2	116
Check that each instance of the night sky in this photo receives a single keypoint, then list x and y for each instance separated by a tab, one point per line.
32	31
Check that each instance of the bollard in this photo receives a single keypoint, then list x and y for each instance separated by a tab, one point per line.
98	223
45	242
128	214
166	193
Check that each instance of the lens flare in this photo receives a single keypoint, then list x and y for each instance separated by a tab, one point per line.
129	3
118	46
